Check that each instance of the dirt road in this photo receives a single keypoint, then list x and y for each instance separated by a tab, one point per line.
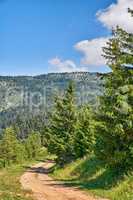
43	187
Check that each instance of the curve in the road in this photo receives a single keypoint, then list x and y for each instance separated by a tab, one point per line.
43	187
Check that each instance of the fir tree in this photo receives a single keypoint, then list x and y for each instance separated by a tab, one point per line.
63	126
84	138
115	129
10	147
33	145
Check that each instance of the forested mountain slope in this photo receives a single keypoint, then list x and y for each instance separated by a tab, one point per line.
24	95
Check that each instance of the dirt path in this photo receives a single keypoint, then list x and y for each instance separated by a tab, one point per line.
43	187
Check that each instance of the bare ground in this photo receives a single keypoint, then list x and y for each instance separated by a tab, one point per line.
43	187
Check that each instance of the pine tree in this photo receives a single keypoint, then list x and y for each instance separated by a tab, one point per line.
84	138
33	145
63	126
115	129
9	147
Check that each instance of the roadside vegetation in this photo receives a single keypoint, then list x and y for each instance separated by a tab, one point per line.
91	175
10	188
16	156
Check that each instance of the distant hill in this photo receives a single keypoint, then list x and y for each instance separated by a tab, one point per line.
35	94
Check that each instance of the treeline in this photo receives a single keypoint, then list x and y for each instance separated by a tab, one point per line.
15	151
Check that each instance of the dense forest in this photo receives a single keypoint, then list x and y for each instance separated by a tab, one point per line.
24	98
72	131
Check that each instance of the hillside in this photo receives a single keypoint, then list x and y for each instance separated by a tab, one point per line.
26	95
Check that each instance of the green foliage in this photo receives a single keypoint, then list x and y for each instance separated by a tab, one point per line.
62	128
91	175
115	128
10	187
14	151
26	123
71	131
33	145
25	99
84	138
119	51
11	151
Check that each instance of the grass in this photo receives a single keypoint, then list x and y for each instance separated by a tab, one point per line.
10	188
90	175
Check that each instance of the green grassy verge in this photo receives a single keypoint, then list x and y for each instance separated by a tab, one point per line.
10	188
90	175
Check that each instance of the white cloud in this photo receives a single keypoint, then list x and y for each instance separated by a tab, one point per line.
58	65
116	14
92	50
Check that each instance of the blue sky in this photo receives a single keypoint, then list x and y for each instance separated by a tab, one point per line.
41	36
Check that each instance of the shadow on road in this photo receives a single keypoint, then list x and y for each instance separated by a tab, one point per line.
42	170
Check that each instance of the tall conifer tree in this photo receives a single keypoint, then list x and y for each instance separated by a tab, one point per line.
63	126
84	138
115	130
10	147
